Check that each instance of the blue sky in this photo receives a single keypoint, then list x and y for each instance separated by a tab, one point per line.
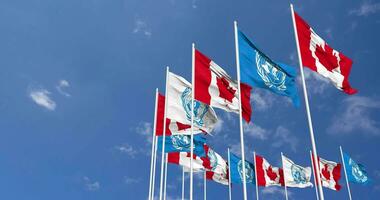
78	78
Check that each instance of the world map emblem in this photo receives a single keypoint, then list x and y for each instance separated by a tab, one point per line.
272	77
200	109
181	142
298	174
358	172
249	173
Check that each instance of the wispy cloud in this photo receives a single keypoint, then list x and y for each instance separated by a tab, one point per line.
62	85
194	4
41	97
127	149
218	126
366	8
146	130
262	100
283	137
91	185
275	191
316	84
130	180
142	27
256	131
355	114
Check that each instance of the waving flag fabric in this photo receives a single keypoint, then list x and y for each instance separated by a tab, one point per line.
330	174
236	170
183	159
258	70
181	143
296	175
172	126
320	57
216	166
179	105
214	87
356	173
267	175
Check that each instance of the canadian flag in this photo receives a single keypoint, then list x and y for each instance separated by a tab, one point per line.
214	87
183	159
216	166
267	175
320	57
330	174
172	126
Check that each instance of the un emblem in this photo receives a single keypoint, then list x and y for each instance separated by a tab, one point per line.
358	172
249	173
213	159
200	109
181	142
272	77
298	174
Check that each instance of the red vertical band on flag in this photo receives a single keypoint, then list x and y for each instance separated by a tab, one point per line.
246	101
202	78
336	176
260	171
174	157
160	115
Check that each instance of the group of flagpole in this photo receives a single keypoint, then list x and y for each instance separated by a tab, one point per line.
314	148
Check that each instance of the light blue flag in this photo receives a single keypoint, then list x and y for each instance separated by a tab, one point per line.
236	170
355	172
181	143
258	70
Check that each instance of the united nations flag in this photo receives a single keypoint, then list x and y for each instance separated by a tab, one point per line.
355	172
181	143
258	70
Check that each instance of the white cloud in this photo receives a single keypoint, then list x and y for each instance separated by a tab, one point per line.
355	114
255	131
262	100
283	137
62	84
328	32
129	180
145	129
218	126
127	149
366	8
316	84
274	191
142	27
41	97
91	185
194	4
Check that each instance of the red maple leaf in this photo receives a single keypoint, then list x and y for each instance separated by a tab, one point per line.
271	174
325	172
225	90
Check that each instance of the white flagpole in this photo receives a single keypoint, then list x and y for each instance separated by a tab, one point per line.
183	183
154	166
229	175
286	190
163	134
153	145
307	105
345	173
166	174
315	178
240	110
192	120
204	186
257	186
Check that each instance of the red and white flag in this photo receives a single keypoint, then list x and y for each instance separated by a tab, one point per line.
267	175
172	126
216	166
320	57
183	159
214	87
179	99
330	173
